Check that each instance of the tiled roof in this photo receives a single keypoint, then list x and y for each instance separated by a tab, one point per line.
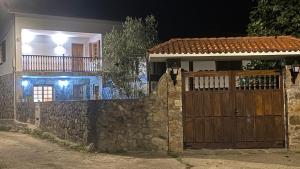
228	45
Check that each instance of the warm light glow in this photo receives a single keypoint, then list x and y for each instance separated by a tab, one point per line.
63	83
59	39
26	49
25	83
59	50
27	36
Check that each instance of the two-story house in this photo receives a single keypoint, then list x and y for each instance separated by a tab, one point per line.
50	58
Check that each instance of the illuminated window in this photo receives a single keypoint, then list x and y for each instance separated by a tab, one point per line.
42	93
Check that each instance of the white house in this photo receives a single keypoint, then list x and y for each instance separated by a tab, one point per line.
50	58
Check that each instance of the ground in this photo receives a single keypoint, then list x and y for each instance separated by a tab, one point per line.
21	151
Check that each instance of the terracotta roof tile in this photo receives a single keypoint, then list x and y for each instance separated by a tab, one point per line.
228	45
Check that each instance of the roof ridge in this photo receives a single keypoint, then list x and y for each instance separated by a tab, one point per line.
235	37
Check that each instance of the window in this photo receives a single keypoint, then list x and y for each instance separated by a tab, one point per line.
42	93
2	52
94	49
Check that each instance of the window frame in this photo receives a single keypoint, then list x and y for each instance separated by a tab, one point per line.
44	96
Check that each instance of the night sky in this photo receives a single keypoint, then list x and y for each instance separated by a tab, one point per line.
185	18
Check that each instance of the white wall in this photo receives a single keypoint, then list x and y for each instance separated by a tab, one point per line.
185	65
204	65
44	45
53	23
7	34
199	65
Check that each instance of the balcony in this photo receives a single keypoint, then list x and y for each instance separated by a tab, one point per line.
37	63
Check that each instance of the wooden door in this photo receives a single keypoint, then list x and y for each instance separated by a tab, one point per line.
208	116
233	109
77	57
259	109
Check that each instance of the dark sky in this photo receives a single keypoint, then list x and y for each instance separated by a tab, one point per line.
185	18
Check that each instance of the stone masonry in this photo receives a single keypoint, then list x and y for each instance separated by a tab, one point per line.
153	123
150	124
124	125
67	120
25	112
293	109
7	96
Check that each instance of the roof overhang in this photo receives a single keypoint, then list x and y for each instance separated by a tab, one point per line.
224	56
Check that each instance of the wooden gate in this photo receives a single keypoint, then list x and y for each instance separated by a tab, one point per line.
233	109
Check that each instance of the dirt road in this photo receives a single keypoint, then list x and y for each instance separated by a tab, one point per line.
19	151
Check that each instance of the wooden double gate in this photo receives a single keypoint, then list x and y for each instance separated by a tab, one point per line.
233	109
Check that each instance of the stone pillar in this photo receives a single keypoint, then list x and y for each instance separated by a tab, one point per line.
175	114
293	109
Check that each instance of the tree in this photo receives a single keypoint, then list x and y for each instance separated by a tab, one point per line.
125	53
275	17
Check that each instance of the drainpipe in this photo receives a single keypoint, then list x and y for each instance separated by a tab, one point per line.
14	67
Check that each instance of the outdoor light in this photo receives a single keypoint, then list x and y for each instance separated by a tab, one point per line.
24	83
59	50
295	68
295	71
26	49
27	36
59	39
63	83
175	71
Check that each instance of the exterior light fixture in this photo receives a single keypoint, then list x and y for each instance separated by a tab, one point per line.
25	83
27	36
59	50
59	39
295	68
295	71
174	66
63	83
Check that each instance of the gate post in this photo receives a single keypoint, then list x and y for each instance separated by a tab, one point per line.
174	101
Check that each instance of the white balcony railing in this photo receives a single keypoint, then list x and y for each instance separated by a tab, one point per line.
60	63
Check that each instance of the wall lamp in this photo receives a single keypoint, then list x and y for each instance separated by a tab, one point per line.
24	83
63	83
174	66
295	71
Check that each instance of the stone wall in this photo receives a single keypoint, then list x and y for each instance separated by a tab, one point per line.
293	109
175	114
7	96
132	125
153	123
150	124
25	112
67	120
